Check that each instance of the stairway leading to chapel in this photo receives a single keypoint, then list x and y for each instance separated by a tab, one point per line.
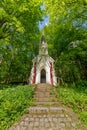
43	94
45	115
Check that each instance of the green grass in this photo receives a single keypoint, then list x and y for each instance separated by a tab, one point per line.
13	101
74	96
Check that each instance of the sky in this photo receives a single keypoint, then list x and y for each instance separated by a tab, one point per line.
45	22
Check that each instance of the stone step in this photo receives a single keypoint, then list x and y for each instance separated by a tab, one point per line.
47	99
41	99
50	97
41	94
44	84
45	110
47	104
45	89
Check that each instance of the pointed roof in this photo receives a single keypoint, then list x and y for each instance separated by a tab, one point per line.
43	38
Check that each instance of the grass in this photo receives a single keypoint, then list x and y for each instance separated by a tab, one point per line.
74	96
13	101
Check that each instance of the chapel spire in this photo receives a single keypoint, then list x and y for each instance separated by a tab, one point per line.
43	49
43	37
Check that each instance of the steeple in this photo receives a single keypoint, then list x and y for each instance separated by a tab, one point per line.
43	49
43	38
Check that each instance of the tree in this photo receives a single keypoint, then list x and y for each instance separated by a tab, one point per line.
68	23
19	34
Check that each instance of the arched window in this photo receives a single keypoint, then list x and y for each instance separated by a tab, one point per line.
43	76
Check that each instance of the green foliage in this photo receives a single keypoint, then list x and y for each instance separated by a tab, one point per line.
68	37
72	63
13	101
83	116
19	36
75	96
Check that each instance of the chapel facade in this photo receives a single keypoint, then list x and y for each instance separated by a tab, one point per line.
43	66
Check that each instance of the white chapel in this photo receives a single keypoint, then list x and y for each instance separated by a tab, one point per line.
43	66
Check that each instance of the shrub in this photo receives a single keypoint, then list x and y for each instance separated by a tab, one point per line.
13	101
75	96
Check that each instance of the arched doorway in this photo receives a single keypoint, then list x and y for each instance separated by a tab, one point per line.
43	76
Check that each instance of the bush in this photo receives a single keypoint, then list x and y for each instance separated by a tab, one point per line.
81	85
13	101
75	96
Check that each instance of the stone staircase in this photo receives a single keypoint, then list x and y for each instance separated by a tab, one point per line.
43	94
47	114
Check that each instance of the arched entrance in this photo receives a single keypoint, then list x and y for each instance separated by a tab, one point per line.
43	76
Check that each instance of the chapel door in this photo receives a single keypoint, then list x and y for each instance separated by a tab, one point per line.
43	76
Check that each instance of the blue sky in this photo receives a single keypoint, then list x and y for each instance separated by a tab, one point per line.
45	19
44	22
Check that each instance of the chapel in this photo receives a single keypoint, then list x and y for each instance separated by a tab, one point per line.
43	66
